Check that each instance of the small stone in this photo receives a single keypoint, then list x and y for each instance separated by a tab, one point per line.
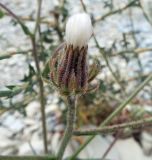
33	109
146	141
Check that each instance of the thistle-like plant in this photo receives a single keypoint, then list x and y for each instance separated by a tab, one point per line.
69	70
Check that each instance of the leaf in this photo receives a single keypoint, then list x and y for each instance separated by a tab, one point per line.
30	74
25	29
11	87
16	91
1	14
94	69
4	57
46	71
102	86
13	90
5	93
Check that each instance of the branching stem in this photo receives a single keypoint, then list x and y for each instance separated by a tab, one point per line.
116	111
34	51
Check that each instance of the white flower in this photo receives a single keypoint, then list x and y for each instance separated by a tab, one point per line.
78	30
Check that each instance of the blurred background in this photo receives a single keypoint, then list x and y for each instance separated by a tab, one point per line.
123	46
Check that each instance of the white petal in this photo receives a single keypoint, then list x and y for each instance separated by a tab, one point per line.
78	30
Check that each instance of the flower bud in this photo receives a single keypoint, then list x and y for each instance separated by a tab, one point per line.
69	69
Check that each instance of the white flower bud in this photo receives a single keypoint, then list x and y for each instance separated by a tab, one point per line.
78	30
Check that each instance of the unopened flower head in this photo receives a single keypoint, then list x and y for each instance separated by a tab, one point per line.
69	68
78	30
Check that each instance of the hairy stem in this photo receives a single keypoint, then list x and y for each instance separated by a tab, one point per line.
34	51
41	94
38	158
145	14
110	146
130	4
102	51
115	128
41	87
70	125
11	13
116	111
38	16
27	158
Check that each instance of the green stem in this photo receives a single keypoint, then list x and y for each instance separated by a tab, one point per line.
102	51
104	54
41	87
70	126
8	55
130	4
24	27
27	158
41	94
145	14
115	128
113	114
12	14
34	51
38	16
37	158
